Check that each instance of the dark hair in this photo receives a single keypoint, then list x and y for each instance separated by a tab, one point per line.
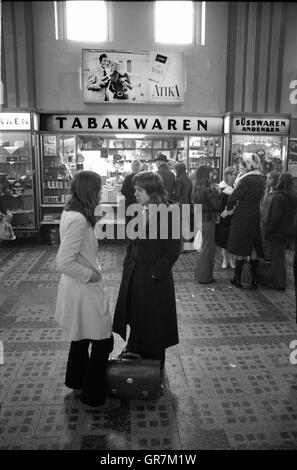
180	169
102	56
202	182
285	182
84	188
275	176
152	183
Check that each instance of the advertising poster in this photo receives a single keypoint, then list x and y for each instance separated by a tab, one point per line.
111	76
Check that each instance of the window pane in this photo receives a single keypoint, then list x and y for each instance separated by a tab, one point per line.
174	22
86	21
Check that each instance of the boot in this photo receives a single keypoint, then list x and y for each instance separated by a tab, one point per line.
236	281
254	263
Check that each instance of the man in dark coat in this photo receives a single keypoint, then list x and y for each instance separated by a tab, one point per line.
166	174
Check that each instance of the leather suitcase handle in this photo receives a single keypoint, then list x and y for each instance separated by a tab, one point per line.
130	355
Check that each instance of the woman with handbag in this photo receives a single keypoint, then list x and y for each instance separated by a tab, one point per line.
244	203
82	307
146	299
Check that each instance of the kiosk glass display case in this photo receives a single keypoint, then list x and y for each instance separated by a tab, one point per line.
17	179
206	151
109	155
264	135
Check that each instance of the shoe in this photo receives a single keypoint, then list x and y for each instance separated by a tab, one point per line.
109	406
224	265
207	282
235	282
77	393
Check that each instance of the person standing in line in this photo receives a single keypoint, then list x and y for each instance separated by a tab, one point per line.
98	80
281	227
271	182
244	203
166	174
146	299
223	226
182	195
210	196
295	269
128	189
82	307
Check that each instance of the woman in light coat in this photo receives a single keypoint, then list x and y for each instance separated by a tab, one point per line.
82	307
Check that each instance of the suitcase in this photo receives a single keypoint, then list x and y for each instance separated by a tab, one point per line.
131	377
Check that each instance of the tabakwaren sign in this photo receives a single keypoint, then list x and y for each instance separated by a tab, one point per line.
132	123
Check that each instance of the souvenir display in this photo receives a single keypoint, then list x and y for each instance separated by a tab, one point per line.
16	179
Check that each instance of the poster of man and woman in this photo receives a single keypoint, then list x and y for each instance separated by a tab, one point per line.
132	77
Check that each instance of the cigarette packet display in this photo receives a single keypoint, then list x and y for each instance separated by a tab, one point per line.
158	68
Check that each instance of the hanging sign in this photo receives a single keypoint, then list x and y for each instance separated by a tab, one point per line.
132	123
259	125
15	121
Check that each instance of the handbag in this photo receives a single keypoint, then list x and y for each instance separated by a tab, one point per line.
6	230
131	377
246	274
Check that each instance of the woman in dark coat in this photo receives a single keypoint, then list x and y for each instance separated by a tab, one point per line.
182	195
244	203
271	182
280	228
146	299
128	189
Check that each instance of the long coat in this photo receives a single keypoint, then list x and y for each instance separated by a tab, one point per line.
280	227
168	178
183	189
245	232
82	307
146	299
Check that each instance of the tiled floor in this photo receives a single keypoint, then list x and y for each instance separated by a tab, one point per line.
229	382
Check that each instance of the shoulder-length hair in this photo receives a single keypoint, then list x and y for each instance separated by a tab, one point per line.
285	182
180	169
152	183
202	182
84	189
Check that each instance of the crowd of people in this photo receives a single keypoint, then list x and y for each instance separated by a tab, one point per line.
248	215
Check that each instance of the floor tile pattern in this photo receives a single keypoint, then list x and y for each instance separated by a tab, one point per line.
229	383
